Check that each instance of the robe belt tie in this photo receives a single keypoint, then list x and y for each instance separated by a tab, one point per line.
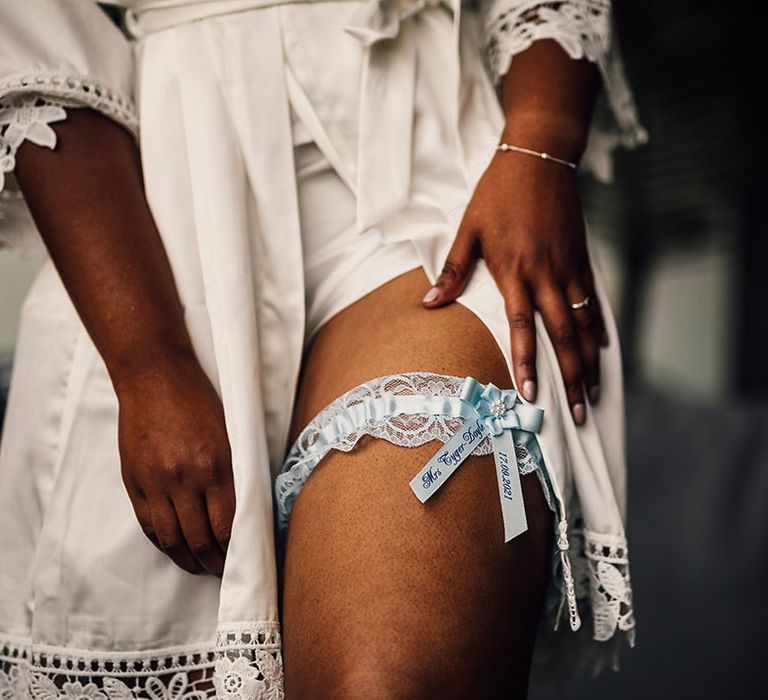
386	104
386	110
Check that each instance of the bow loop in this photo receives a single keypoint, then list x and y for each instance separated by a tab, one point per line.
497	426
501	409
497	408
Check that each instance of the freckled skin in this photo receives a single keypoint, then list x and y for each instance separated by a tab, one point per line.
386	597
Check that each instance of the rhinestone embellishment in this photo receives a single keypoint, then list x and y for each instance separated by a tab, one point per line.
498	409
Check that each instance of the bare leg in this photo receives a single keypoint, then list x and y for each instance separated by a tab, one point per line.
385	597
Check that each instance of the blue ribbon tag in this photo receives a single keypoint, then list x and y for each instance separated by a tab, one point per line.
510	488
434	473
488	409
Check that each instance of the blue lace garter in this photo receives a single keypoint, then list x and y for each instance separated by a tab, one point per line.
411	409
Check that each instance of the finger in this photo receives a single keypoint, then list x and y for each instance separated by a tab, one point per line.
220	503
192	513
586	322
456	271
522	327
562	330
169	535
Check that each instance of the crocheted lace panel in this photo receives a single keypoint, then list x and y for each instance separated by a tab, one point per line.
603	590
244	664
584	29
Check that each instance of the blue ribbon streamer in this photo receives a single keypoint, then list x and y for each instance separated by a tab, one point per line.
487	410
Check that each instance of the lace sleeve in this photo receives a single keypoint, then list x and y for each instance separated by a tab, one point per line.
54	55
584	29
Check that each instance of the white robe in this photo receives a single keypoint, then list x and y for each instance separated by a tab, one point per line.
206	86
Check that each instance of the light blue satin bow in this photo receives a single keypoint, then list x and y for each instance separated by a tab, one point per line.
488	400
494	411
497	407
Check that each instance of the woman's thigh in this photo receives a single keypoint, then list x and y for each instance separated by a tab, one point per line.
386	597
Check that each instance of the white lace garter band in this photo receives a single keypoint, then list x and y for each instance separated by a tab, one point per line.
410	410
414	408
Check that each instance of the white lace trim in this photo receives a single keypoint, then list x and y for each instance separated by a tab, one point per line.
601	583
29	104
404	430
585	29
244	664
74	91
25	118
610	587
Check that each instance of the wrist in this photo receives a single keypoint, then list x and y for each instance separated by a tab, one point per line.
554	134
152	367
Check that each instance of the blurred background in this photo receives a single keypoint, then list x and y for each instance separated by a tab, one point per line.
683	238
683	243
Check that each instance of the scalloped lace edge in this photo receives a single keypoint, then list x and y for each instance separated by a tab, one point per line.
584	29
244	663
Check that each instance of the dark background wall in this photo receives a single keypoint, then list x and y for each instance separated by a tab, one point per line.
692	199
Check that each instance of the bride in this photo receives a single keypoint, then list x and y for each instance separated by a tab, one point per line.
318	390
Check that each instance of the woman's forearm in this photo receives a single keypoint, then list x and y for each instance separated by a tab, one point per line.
548	99
87	199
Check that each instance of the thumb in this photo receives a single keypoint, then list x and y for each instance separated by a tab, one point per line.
456	271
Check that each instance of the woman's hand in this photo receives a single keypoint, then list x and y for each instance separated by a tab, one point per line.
525	220
87	197
176	463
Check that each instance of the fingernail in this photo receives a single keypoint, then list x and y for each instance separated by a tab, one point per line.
529	389
579	413
594	393
431	295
